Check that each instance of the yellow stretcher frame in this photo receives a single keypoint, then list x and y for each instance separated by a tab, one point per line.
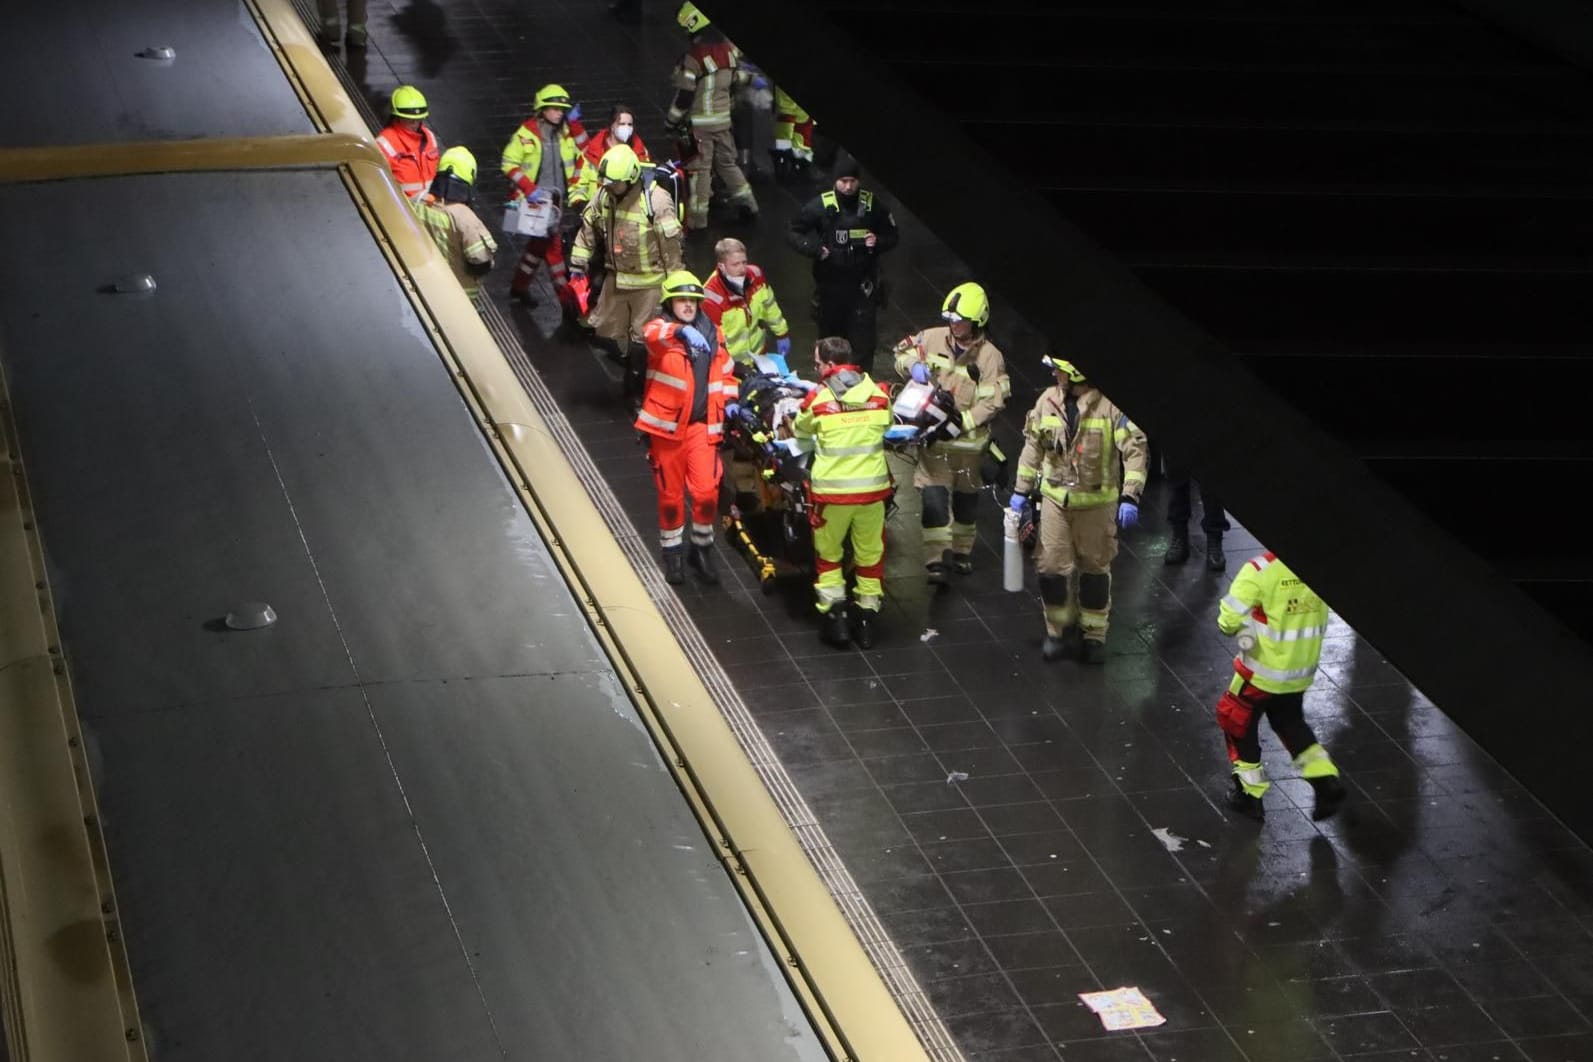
65	984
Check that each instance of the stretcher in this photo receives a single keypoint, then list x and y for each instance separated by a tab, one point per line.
766	512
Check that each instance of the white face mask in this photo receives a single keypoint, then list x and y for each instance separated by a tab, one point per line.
622	133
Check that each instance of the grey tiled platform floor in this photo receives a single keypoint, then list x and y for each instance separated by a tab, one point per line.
1443	916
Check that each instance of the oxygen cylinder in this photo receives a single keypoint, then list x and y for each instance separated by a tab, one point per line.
1011	554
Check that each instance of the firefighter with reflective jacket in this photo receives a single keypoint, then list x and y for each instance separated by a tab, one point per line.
844	231
739	300
1074	440
410	147
542	161
960	359
633	222
849	483
690	391
453	226
1280	622
703	80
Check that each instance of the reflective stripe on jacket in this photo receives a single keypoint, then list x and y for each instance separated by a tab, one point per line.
977	379
747	319
640	237
411	156
1081	471
671	389
847	418
1287	618
522	155
708	70
460	236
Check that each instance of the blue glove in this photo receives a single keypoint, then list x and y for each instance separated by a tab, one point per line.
539	196
760	82
695	340
920	372
782	346
1017	502
731	409
1127	514
573	114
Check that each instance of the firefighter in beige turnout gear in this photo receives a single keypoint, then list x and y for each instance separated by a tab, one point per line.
1075	439
958	358
633	222
703	81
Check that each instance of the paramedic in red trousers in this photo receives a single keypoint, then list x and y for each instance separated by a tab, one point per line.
542	161
700	111
846	418
410	148
1280	623
1075	442
689	393
741	304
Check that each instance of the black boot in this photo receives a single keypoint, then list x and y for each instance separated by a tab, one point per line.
937	574
1178	545
962	563
675	565
1245	804
782	161
701	559
635	376
1092	652
863	628
1053	648
832	627
1215	561
1330	794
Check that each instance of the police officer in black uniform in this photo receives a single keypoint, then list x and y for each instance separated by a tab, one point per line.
845	231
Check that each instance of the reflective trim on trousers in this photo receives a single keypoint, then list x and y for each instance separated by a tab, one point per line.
673	537
702	534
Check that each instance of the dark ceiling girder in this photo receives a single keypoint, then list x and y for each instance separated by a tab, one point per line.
1511	675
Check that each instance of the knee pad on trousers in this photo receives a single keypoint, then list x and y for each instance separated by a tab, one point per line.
1234	716
937	507
1095	590
1053	589
964	506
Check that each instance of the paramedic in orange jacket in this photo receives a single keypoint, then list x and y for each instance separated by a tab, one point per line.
691	387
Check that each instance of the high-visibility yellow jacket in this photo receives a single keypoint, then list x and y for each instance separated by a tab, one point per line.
847	418
522	156
747	318
1078	468
639	234
976	377
1287	619
462	238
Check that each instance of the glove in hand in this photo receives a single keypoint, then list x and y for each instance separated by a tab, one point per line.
782	346
920	372
1127	514
1017	502
539	196
573	114
695	340
732	409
